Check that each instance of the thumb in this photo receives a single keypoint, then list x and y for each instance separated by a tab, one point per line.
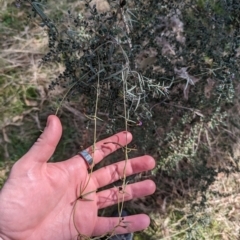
44	147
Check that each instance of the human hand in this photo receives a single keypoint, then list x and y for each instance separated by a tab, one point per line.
41	200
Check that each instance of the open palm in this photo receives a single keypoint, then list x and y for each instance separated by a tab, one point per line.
43	200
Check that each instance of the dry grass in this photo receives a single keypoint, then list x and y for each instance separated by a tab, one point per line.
24	94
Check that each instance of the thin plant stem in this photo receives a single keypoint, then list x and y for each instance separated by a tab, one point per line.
66	94
124	78
82	196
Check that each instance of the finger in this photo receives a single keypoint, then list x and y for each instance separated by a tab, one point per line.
116	171
127	224
115	195
107	146
44	147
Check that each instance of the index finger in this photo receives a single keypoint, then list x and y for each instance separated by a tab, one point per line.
107	146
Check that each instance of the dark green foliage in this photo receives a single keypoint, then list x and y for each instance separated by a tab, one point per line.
91	47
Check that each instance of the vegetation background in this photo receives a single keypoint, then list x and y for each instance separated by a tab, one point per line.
190	126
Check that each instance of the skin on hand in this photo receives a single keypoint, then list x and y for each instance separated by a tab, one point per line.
39	198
